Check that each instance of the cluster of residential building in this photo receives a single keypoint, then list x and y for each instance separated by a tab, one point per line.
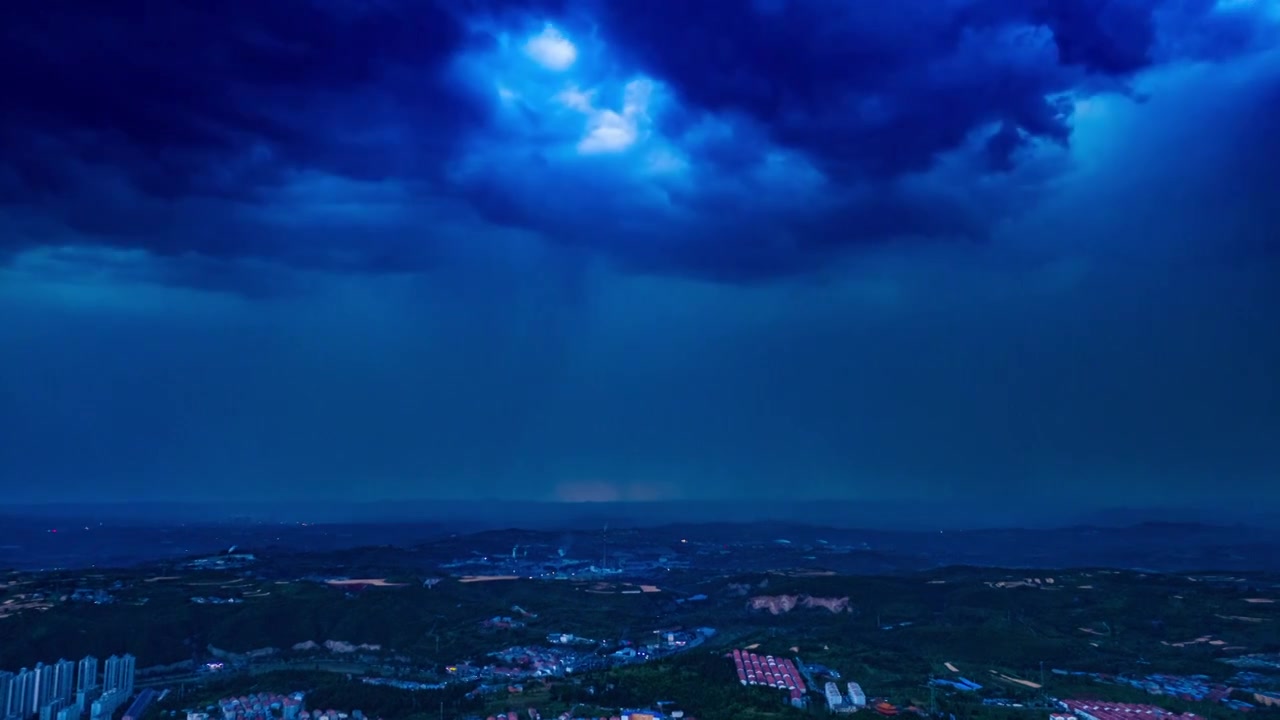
635	562
411	685
330	714
270	706
67	690
1256	661
517	663
540	662
1196	688
571	654
533	714
97	596
769	671
261	706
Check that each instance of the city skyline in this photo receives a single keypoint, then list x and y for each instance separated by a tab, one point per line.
67	690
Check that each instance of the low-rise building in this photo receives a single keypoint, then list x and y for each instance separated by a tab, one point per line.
835	701
1098	710
140	705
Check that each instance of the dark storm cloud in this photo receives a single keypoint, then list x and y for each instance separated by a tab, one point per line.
865	88
154	125
885	88
207	76
769	137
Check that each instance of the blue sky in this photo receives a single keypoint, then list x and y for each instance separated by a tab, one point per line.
627	249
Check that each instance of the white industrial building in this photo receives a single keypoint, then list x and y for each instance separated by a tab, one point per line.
856	697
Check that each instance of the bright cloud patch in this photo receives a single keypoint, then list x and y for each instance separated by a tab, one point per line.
610	130
582	111
551	49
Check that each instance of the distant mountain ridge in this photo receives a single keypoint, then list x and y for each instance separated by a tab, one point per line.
31	543
919	515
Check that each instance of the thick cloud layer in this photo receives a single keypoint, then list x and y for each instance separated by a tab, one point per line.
728	139
999	253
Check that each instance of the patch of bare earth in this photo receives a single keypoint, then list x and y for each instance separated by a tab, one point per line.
375	582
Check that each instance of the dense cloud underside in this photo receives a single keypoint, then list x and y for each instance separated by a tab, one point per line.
838	231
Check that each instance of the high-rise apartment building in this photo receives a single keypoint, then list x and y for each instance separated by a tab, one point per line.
130	668
112	673
21	691
118	674
50	710
44	686
64	680
6	682
87	678
105	707
66	689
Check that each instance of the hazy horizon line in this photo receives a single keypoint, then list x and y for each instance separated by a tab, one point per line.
499	513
